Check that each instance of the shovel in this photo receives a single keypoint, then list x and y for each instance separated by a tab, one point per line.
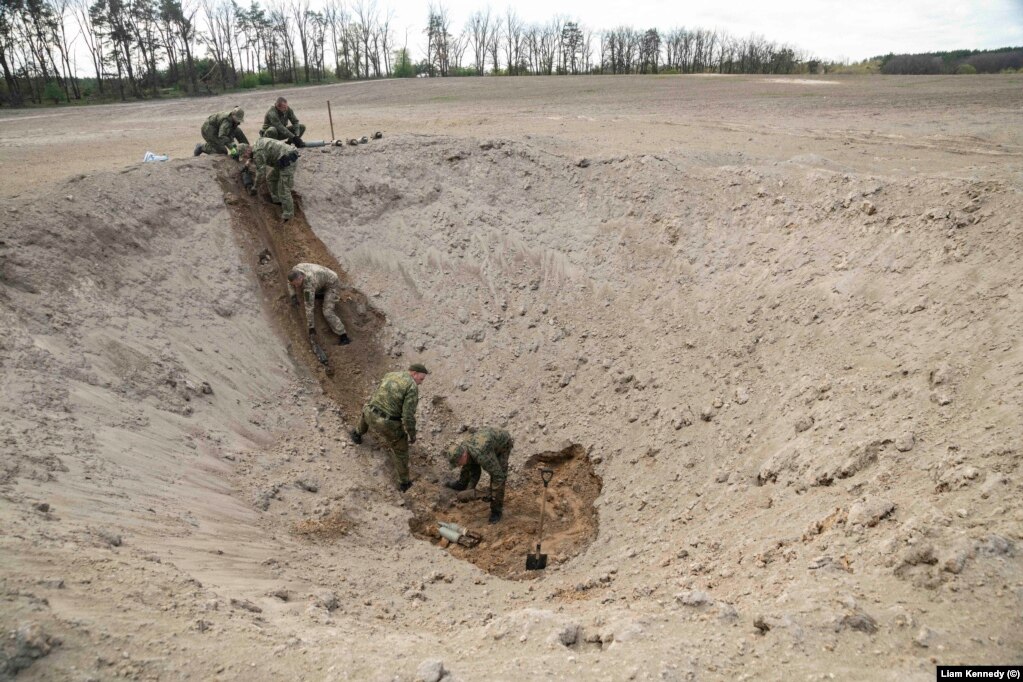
538	561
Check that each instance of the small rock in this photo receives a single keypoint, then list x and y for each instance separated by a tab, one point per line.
206	388
326	599
804	423
707	414
24	647
940	375
859	620
694	598
246	605
995	545
994	483
110	537
264	498
868	208
925	637
919	554
955	561
308	485
583	163
905	442
870	512
726	612
741	395
430	670
565	635
937	213
41	507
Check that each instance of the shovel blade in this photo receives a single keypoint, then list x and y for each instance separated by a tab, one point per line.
536	562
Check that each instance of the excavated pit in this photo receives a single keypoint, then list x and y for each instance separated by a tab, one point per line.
570	524
272	247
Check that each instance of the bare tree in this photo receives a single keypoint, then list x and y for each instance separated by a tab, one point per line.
477	32
512	42
494	43
365	20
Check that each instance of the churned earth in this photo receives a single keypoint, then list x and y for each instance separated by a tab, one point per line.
766	331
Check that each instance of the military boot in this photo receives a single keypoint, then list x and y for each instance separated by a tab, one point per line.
495	514
197	150
355	436
456	485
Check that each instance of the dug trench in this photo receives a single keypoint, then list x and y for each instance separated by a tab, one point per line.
271	247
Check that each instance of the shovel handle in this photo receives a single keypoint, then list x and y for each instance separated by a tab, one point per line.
546	475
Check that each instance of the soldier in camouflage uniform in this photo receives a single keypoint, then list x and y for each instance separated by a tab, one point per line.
281	123
391	415
221	131
310	279
489	450
276	161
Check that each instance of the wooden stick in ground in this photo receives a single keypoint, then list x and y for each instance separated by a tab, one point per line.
330	117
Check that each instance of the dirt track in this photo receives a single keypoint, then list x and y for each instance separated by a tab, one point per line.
781	322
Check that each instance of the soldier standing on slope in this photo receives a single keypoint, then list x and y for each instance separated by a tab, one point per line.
391	415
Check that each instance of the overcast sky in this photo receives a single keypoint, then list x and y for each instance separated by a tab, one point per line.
831	29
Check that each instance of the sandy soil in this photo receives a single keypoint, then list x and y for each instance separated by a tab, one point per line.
777	324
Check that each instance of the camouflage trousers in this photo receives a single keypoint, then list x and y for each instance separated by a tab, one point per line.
215	145
393	434
330	298
471	472
298	131
280	182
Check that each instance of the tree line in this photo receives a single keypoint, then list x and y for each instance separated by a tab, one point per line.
147	48
956	61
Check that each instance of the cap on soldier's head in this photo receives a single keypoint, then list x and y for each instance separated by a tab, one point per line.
418	367
238	113
452	453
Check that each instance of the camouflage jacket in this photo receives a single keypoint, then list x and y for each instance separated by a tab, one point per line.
266	152
486	447
317	278
224	126
277	120
398	396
